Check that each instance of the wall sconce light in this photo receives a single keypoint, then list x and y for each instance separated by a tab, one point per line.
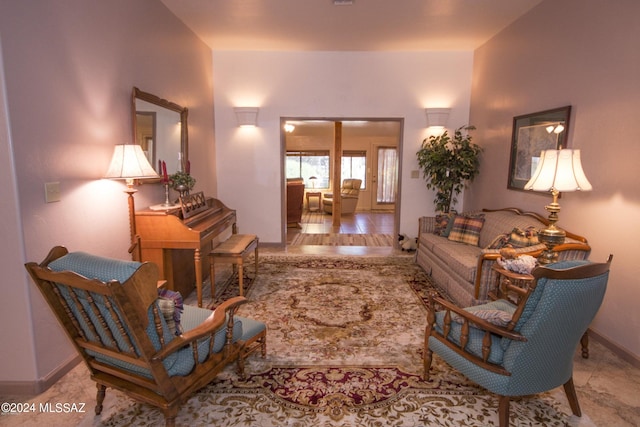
130	163
437	117
246	116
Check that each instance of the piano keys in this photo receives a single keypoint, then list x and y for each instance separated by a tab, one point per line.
179	246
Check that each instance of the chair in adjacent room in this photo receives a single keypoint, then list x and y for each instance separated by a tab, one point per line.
295	201
349	193
135	341
525	344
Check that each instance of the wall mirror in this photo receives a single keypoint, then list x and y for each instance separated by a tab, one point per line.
160	127
533	133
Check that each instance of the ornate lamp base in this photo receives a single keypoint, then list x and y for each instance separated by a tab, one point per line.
551	237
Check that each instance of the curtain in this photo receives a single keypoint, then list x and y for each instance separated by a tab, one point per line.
387	174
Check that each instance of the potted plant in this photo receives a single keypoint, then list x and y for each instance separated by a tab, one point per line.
448	164
182	182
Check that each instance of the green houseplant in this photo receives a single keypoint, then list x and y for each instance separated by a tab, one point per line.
181	181
448	164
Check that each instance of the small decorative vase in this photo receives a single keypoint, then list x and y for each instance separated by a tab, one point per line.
182	189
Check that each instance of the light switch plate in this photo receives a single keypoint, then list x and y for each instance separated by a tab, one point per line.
52	192
415	174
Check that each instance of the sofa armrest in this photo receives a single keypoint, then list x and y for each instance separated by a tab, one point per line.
426	224
485	276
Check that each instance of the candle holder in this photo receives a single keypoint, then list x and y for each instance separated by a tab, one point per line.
167	203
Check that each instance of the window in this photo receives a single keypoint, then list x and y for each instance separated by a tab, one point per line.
305	164
354	165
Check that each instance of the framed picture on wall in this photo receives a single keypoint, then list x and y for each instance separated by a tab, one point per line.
533	133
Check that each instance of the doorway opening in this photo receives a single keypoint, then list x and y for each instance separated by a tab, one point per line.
319	153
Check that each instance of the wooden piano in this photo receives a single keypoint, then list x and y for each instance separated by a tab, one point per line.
176	239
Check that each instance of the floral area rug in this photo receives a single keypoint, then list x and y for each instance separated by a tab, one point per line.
344	340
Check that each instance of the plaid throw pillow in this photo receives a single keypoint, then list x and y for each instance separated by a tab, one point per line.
466	229
522	238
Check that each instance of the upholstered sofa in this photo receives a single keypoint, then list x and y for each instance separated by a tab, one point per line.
458	251
349	193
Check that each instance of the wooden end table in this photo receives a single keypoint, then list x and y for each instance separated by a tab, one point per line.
317	194
510	281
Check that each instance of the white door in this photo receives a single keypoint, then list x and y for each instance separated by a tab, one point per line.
384	178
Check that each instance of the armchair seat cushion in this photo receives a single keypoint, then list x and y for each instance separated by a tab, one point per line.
498	312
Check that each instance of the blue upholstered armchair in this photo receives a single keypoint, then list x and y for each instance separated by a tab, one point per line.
523	346
131	339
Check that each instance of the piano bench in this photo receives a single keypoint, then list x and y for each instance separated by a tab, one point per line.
234	250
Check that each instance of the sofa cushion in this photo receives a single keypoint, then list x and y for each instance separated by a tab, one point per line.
466	229
462	259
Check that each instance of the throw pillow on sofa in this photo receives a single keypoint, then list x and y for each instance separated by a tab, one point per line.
518	238
466	229
444	224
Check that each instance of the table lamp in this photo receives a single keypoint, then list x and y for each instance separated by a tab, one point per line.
130	163
558	171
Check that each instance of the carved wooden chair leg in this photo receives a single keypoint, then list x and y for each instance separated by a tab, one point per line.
570	391
584	343
100	397
503	411
170	421
428	358
241	372
263	346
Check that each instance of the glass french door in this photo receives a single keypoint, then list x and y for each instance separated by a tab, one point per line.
384	178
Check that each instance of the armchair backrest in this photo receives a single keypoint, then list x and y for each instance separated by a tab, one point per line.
565	300
350	187
109	310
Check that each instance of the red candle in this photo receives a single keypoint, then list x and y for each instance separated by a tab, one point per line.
164	172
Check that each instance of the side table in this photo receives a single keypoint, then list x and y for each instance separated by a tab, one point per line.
510	281
317	194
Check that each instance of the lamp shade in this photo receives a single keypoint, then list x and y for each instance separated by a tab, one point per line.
437	117
559	170
247	116
129	162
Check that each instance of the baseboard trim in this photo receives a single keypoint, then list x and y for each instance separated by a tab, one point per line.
619	351
31	388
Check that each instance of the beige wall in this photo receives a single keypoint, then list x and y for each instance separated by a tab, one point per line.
581	53
69	69
326	84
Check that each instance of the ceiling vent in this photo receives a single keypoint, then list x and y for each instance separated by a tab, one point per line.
342	2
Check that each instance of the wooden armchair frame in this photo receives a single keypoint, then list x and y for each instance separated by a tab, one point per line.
489	330
128	304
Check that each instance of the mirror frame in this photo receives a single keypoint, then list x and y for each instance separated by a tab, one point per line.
182	111
529	138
